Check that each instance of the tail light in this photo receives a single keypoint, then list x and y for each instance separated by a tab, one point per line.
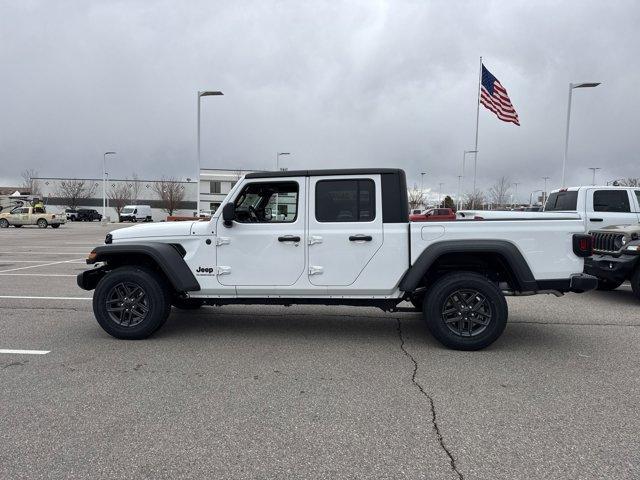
583	245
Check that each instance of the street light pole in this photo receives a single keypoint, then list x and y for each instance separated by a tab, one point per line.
515	196
440	194
594	169
531	196
104	183
205	93
544	193
278	159
566	139
459	202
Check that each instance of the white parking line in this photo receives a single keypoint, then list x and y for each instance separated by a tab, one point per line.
81	262
36	266
26	297
25	352
36	275
43	253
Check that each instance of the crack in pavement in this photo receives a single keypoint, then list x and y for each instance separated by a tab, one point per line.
434	418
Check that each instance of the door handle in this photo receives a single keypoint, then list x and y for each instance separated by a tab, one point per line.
289	238
360	238
596	219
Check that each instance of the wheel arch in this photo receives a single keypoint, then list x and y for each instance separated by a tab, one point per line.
162	257
499	258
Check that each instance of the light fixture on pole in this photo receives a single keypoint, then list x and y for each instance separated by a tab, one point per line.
104	183
278	154
566	140
205	93
594	170
544	193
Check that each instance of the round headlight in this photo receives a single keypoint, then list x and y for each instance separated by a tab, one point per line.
624	241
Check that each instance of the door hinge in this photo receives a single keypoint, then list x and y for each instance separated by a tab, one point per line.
313	239
222	270
315	270
223	241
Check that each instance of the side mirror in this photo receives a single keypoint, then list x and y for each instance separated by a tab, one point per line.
228	214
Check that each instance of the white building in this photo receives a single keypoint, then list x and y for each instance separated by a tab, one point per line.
215	184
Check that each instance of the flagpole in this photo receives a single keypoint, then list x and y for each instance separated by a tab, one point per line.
475	155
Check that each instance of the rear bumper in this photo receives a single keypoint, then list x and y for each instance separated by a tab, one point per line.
608	267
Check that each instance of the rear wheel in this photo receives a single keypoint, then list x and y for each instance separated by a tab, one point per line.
465	311
55	225
131	303
606	285
42	223
4	223
18	226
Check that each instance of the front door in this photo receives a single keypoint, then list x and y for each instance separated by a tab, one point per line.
345	227
265	244
609	207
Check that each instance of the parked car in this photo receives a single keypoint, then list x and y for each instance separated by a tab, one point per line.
72	214
20	216
616	257
598	206
87	215
345	241
434	215
136	213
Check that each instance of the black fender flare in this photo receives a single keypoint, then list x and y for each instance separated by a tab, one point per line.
165	256
508	251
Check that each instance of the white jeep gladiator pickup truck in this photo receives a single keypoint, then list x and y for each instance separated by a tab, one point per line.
334	237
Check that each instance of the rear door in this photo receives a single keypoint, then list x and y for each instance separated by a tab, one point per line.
610	207
345	227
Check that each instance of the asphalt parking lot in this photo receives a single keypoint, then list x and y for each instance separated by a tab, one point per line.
306	392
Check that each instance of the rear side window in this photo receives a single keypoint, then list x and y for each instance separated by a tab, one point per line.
345	200
638	196
560	201
611	201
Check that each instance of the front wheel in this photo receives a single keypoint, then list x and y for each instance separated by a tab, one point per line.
55	225
4	223
131	303
465	311
635	283
42	223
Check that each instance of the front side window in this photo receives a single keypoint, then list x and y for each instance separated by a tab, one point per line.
345	200
273	202
611	201
638	196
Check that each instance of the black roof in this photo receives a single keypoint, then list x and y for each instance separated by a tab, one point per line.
328	172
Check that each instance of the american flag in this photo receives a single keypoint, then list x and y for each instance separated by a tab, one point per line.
494	96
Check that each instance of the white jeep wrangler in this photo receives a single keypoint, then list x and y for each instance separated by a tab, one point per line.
335	237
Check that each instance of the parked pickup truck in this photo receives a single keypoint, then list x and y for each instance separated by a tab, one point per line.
334	237
21	216
434	215
616	257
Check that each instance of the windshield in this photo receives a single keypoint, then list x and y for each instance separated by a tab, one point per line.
127	210
562	201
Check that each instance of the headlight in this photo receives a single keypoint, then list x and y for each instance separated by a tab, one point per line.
624	241
108	239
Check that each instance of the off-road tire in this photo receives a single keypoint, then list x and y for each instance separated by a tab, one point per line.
123	280
635	282
42	223
17	226
483	314
187	303
607	285
4	223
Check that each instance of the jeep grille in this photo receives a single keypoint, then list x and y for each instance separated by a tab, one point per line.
607	242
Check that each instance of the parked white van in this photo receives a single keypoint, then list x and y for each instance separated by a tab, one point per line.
136	213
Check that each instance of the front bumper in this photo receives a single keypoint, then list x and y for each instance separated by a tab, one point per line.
583	282
616	269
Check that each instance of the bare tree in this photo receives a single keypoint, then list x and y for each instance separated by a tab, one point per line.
416	198
120	195
29	181
74	190
474	200
170	192
499	193
628	182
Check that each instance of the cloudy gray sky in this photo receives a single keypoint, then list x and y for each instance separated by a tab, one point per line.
338	84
